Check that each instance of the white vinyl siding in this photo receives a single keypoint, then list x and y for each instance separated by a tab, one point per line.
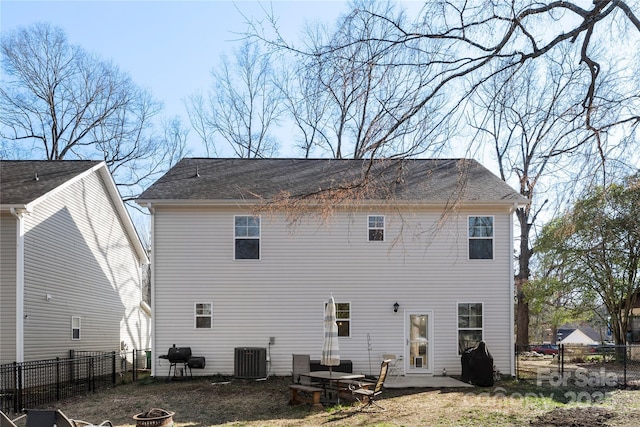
77	252
423	266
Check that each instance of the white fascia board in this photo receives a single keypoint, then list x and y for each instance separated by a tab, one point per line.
123	213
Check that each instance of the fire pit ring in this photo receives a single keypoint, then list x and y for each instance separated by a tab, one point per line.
154	418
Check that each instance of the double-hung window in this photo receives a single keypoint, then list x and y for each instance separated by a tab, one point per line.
247	237
343	318
470	323
204	315
75	328
376	228
480	237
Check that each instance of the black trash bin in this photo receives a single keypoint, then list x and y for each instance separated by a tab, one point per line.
477	366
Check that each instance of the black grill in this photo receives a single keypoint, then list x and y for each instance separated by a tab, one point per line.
182	355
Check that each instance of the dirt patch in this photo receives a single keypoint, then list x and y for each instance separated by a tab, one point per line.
574	417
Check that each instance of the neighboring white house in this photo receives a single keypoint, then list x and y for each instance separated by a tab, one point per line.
243	257
70	262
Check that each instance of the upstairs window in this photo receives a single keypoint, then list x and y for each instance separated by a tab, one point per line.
204	315
75	328
376	228
247	237
480	237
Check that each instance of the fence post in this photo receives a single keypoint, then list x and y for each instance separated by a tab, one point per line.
134	365
113	368
17	396
625	364
561	361
58	378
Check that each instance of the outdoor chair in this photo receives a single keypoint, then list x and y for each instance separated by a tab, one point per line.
300	367
394	364
54	418
6	421
371	394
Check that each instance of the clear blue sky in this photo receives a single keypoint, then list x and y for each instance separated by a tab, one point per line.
168	47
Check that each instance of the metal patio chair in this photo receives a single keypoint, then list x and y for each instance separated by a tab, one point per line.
394	364
371	394
55	418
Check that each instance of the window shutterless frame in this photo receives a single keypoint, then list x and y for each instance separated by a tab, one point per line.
375	228
203	315
343	318
470	324
246	237
75	328
480	237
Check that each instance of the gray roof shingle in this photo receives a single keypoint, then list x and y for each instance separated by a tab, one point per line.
18	183
431	180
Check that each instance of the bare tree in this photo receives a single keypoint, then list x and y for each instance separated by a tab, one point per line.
243	106
352	88
533	122
58	102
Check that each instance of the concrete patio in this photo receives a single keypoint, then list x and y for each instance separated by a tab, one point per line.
424	381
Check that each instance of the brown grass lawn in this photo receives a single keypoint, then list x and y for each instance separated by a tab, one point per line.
208	402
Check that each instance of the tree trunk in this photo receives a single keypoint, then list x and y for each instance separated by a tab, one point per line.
522	277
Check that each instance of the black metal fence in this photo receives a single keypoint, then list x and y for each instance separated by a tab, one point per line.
39	382
580	365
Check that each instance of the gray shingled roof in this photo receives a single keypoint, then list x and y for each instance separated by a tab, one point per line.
200	179
18	183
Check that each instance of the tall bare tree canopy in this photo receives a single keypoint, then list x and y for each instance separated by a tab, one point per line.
243	105
57	101
456	46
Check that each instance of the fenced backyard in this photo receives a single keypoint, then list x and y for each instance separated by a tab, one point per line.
580	365
35	383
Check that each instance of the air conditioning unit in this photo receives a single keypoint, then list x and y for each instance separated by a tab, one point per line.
250	362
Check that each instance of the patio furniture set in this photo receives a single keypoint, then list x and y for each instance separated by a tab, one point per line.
311	386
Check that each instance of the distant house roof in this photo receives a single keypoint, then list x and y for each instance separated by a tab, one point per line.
588	332
24	183
432	180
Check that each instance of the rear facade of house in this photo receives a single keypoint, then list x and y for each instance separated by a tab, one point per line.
233	270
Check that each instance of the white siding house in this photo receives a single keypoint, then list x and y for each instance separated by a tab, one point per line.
70	262
244	256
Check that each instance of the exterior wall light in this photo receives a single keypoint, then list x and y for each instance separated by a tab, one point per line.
396	306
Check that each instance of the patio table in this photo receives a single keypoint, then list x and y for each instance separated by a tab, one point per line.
333	377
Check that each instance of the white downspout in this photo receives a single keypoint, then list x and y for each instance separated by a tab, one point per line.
511	299
153	288
19	214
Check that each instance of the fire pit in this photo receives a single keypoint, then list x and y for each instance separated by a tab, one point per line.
154	418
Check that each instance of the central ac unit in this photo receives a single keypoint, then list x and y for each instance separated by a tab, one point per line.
250	362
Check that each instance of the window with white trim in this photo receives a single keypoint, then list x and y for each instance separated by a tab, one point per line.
343	318
470	321
480	237
376	228
246	237
75	328
204	315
